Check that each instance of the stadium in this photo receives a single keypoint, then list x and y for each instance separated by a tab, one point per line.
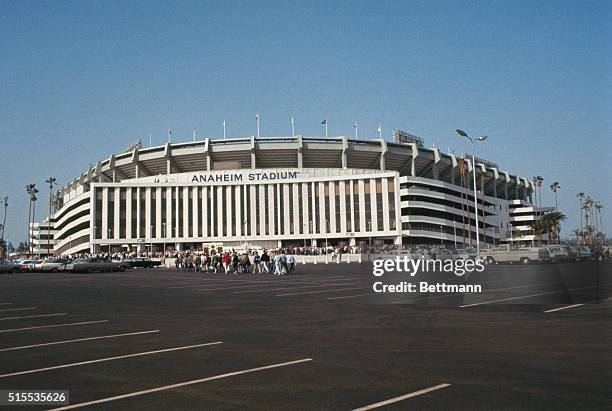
278	191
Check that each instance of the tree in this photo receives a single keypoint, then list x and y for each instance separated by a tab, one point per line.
580	205
539	228
577	234
51	182
552	222
554	187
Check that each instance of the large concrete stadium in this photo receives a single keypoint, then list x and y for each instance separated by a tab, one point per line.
278	191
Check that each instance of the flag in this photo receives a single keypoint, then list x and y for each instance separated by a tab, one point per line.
223	123
379	129
354	124
324	122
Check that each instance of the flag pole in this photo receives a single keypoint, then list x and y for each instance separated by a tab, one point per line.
292	127
194	131
169	135
257	120
150	140
356	132
224	129
380	131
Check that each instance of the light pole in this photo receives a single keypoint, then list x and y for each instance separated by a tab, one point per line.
5	203
481	138
94	239
109	243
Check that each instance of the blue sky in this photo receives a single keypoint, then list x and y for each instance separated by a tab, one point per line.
81	80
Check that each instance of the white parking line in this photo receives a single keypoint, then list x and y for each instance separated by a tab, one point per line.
528	296
290	288
140	354
23	347
403	397
320	291
563	308
181	384
31	316
54	325
347	296
428	297
18	309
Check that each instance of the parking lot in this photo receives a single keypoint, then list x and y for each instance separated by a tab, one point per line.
163	339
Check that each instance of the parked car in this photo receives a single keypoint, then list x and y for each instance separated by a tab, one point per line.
572	253
466	254
27	265
8	266
53	264
506	253
584	253
85	265
142	262
557	253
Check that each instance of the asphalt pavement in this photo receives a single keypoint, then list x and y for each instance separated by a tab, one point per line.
537	337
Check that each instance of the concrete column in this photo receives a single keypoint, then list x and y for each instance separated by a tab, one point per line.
128	212
262	210
117	214
271	192
158	212
238	206
219	210
373	205
296	208
362	209
196	212
147	228
332	206
253	205
104	228
324	227
286	206
342	206
205	211
385	204
229	210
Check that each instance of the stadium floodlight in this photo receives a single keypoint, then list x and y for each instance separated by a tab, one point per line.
481	138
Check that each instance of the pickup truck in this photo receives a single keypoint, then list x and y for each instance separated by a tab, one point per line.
509	254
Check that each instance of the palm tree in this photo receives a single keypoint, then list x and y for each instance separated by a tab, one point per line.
577	234
554	187
552	221
580	197
51	182
29	189
33	199
538	227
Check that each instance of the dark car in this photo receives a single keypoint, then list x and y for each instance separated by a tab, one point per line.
142	262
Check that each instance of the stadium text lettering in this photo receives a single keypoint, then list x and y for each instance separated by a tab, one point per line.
237	177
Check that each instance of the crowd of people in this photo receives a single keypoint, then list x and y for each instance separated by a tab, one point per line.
232	262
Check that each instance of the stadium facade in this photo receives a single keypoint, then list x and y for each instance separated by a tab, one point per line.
278	191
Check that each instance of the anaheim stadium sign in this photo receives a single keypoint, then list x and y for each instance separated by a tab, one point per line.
246	176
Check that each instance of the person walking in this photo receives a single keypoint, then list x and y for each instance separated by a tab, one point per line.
198	263
226	262
291	260
264	261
